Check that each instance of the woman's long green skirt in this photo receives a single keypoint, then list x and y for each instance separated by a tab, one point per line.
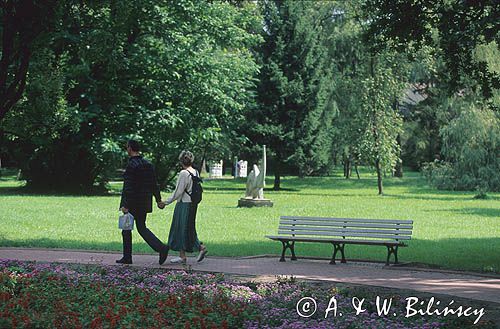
182	234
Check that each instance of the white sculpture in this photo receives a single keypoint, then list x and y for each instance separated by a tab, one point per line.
257	180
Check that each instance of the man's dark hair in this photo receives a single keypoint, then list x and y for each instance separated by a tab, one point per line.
134	145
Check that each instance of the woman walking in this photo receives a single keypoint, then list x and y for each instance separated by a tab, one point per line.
183	237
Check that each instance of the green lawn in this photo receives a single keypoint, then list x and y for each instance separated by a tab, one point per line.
451	228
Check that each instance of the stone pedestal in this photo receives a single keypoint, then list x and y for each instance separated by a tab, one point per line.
246	202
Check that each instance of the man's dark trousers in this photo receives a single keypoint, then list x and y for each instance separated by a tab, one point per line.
139	187
147	235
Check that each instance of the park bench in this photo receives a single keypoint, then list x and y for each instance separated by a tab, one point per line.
342	231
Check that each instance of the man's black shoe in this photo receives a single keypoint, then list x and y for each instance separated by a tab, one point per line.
124	261
163	256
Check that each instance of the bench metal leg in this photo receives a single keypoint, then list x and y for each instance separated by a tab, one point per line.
343	255
288	245
282	259
292	249
336	248
392	250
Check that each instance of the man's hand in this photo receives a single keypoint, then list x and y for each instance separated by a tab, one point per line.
161	204
124	210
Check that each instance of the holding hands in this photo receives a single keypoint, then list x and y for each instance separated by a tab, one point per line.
161	204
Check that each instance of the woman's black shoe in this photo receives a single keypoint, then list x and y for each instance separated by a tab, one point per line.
202	254
124	261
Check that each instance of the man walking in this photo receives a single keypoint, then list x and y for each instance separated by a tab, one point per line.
139	186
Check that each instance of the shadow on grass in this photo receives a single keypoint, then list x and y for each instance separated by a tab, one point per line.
242	189
412	188
27	191
8	174
7	178
483	212
478	254
291	183
64	244
416	196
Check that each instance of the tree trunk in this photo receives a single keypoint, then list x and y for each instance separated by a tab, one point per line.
379	177
22	22
277	181
398	170
356	168
1	142
347	161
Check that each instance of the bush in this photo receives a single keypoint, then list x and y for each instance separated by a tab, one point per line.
440	174
471	144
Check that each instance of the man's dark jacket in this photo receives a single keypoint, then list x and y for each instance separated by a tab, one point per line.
139	186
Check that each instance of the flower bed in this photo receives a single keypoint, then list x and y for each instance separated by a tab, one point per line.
36	295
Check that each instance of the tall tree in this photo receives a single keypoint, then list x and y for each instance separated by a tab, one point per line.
348	56
294	116
382	122
368	87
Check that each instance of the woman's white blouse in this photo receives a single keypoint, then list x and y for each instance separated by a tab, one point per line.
184	183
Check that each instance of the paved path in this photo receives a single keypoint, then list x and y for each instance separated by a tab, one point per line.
476	287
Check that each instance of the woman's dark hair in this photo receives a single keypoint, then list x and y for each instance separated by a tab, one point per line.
134	145
186	158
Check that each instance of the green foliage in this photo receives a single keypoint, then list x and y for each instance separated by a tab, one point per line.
23	26
173	75
41	127
424	109
207	76
455	48
459	28
383	122
224	77
471	144
420	138
367	90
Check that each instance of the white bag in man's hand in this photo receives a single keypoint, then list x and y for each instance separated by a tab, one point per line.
126	222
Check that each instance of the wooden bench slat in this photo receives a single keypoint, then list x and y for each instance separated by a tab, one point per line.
319	233
341	230
330	240
341	224
352	220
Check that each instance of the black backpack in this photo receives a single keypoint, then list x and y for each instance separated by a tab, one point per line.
197	190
